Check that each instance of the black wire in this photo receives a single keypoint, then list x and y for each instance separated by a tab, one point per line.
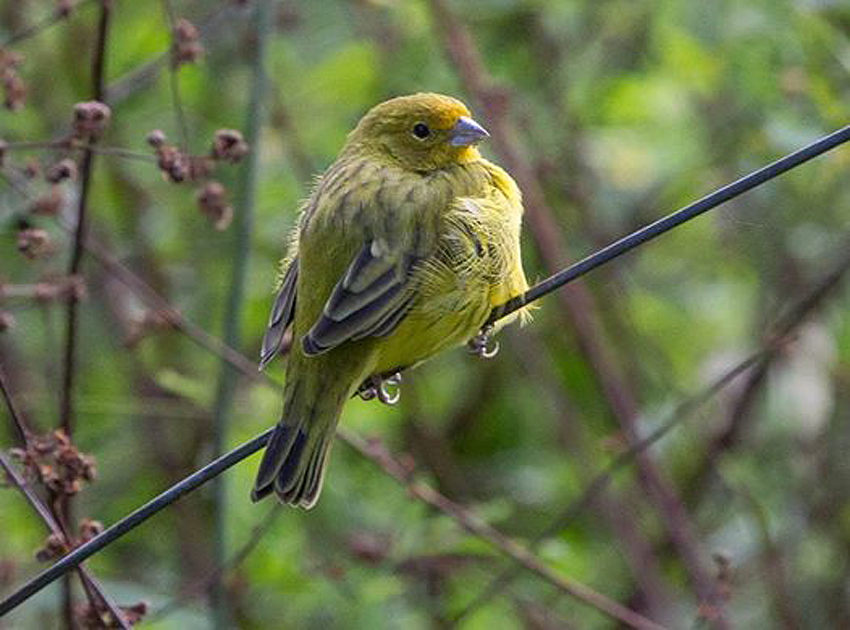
559	279
667	223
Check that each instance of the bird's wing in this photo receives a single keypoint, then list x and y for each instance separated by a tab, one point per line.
370	299
281	315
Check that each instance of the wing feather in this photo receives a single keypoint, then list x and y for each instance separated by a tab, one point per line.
372	296
281	315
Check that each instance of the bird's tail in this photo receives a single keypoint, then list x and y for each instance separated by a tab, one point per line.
293	465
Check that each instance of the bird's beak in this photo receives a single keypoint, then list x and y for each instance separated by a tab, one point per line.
465	132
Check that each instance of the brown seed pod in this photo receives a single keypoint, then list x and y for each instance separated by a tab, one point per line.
212	202
65	169
228	145
90	120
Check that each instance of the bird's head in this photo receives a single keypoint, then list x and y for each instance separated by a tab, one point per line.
422	132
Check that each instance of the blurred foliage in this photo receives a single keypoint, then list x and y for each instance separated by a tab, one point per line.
626	110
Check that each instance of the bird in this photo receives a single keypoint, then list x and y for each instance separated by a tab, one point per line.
404	246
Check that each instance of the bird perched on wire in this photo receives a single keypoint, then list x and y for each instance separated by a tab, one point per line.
406	243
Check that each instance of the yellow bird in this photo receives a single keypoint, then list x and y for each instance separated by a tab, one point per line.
404	246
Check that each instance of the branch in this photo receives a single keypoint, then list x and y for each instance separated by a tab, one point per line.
72	144
17	419
41	291
64	512
174	79
603	479
98	70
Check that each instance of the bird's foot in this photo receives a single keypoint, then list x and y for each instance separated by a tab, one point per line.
376	386
480	344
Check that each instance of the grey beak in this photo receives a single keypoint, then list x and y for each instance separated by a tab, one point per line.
465	132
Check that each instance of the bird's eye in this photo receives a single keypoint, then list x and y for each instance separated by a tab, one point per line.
421	131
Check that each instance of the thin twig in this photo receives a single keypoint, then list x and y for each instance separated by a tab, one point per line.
17	418
66	410
98	70
174	78
603	479
41	291
71	145
170	315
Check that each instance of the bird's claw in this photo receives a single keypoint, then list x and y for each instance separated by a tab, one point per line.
480	345
376	387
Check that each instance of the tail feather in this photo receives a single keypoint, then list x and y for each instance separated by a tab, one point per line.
294	460
285	440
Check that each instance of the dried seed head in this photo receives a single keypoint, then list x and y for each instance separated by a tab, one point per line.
33	243
135	613
229	145
66	169
55	462
173	163
156	138
54	547
212	202
90	119
187	47
89	529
